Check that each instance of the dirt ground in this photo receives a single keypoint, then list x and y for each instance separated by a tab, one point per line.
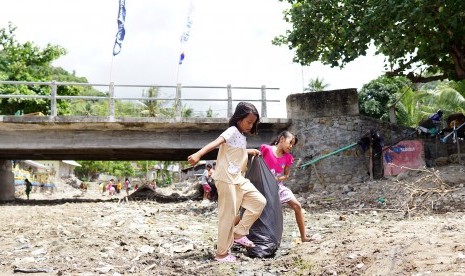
412	224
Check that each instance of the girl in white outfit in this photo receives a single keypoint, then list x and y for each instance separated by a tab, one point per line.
234	190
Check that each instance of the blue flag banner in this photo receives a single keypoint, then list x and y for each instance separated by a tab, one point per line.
181	58
185	36
121	31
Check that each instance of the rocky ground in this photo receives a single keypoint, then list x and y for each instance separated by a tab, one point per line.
408	225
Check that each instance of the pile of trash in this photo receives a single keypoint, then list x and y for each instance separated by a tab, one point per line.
72	181
424	190
168	195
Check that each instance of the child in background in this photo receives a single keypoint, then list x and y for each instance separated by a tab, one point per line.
28	187
127	186
119	186
234	190
278	158
206	187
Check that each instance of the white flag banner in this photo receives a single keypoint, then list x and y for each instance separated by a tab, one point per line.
187	33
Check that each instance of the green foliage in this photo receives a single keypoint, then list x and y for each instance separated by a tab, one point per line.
91	169
315	85
121	169
27	62
409	109
428	35
209	112
153	107
446	95
376	96
415	105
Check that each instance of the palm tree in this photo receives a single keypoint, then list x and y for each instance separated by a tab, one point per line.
414	106
153	106
315	85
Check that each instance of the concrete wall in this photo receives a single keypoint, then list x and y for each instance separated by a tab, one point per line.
325	122
322	104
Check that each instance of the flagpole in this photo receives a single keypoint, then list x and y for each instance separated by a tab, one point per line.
185	37
177	74
111	67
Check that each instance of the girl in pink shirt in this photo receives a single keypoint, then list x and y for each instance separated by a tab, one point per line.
278	158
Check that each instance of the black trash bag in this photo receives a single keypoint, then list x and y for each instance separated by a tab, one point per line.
267	231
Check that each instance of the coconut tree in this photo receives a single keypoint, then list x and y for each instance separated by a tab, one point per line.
315	85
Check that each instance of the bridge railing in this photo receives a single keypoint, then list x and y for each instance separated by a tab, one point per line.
178	99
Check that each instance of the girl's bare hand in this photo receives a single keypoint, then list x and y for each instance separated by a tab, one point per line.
193	159
254	152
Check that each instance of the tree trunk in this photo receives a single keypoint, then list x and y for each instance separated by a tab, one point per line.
458	56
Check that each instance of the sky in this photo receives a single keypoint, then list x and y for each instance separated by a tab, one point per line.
229	43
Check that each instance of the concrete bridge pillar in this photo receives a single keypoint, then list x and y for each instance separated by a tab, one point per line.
7	181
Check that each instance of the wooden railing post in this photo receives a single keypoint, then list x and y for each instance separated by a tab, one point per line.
263	101
112	100
178	101
230	111
53	99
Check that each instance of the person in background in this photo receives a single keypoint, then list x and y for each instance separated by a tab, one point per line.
205	186
279	159
153	184
211	182
102	187
127	186
234	190
28	187
111	187
119	186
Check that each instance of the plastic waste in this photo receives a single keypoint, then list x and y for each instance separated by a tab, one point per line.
267	231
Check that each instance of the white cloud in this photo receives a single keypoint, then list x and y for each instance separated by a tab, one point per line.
230	43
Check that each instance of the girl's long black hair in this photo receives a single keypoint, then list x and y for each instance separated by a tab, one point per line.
284	134
242	110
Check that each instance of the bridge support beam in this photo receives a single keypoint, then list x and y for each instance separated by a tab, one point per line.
7	181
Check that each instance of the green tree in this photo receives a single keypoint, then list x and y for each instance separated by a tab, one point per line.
209	112
91	169
376	96
416	37
408	106
315	85
28	62
144	166
448	96
121	169
153	107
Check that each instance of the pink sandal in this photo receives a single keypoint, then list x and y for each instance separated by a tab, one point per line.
228	259
244	241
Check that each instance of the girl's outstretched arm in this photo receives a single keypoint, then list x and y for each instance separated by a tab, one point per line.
253	152
195	158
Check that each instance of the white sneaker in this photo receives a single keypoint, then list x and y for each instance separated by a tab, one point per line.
205	202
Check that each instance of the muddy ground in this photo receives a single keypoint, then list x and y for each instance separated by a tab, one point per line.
412	224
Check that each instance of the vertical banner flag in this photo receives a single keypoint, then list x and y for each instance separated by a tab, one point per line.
185	36
121	31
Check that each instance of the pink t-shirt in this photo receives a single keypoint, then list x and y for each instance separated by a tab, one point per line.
276	164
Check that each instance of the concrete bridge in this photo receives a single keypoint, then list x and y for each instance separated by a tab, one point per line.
104	138
117	137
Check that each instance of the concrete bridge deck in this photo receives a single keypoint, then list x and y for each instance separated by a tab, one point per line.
107	138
